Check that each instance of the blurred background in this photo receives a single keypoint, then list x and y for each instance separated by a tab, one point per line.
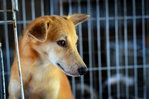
114	43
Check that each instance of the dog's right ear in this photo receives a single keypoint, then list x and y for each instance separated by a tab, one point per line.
39	29
78	18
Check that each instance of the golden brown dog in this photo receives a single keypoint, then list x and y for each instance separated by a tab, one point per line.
48	47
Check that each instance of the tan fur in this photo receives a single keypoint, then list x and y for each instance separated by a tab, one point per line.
39	55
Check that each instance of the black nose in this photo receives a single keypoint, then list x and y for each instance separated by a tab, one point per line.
82	70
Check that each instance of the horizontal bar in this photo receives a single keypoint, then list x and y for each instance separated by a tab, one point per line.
120	67
8	21
5	10
121	18
92	19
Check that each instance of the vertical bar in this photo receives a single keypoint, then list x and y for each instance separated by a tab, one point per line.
42	7
99	46
108	46
144	51
70	7
3	75
17	48
74	87
117	49
90	48
73	78
51	7
126	47
24	14
16	5
6	37
61	7
33	9
81	48
135	48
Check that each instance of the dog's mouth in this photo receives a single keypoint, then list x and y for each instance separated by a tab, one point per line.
60	66
68	73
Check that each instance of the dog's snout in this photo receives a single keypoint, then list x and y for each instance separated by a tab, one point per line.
82	70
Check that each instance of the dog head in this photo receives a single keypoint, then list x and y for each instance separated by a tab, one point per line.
56	40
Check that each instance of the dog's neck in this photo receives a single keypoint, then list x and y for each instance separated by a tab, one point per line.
31	55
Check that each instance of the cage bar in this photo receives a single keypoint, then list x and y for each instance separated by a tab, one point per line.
6	37
108	46
126	47
117	48
33	9
144	51
90	48
17	48
80	48
2	70
42	7
51	7
61	7
24	13
135	48
99	46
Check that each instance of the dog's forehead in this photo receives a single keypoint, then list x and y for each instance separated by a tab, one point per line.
63	27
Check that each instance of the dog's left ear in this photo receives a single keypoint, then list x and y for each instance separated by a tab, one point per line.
39	30
78	18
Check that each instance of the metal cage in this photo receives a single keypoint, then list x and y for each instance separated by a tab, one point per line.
114	44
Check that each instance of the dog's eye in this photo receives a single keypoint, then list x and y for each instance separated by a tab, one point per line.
61	43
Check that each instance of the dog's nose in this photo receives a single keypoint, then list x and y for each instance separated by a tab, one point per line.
82	70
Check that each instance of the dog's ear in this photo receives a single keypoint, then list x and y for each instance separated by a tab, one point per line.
78	18
38	30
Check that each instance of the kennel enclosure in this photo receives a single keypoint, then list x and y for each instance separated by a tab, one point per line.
114	44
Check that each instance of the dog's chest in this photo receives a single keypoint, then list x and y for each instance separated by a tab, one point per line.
45	85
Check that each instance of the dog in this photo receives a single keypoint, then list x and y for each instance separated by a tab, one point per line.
48	51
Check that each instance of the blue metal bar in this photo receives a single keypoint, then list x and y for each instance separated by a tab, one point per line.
90	48
42	7
121	18
6	38
17	48
24	14
135	48
108	46
74	87
51	7
126	46
33	9
81	48
70	7
5	10
2	68
61	7
99	50
114	68
144	51
92	19
117	48
16	5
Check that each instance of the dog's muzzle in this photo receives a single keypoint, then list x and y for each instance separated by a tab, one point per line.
82	70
